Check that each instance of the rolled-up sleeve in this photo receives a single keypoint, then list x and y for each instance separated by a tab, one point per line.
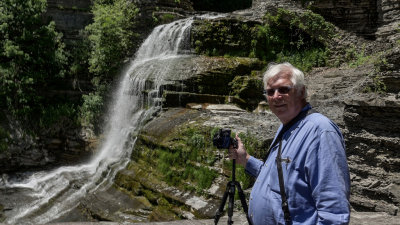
329	180
253	166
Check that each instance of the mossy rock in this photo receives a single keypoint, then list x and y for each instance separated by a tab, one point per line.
248	88
125	180
224	36
163	213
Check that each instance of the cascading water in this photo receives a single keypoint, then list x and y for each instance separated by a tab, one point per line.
45	196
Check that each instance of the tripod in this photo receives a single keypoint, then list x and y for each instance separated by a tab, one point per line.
230	192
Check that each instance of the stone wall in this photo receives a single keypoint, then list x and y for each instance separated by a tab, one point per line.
389	17
70	16
357	16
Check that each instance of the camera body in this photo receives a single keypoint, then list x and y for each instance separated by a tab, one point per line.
222	139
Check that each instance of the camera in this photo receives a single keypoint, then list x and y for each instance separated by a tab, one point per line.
222	139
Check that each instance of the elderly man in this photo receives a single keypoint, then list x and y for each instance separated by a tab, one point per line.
305	177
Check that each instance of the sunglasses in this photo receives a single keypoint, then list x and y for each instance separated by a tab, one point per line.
281	90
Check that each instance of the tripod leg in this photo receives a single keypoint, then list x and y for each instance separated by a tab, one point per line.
231	202
243	201
218	214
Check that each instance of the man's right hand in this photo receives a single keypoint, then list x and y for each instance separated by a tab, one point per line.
240	154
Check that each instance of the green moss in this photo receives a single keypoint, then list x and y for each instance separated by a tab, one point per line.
167	18
162	213
184	159
128	183
151	196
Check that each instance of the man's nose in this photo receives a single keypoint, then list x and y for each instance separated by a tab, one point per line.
276	94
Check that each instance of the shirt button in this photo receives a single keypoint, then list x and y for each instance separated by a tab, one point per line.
251	215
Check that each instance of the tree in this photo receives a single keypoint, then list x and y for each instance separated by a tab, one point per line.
31	56
112	39
111	35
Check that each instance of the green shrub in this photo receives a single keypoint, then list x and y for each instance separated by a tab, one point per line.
110	40
91	109
197	141
167	18
31	57
357	58
111	35
307	59
204	177
298	39
60	116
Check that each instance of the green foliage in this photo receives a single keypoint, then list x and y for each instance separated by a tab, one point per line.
186	158
357	58
185	162
78	58
59	116
110	39
91	108
298	39
110	35
203	176
167	18
378	85
31	57
224	37
196	141
169	165
307	59
315	25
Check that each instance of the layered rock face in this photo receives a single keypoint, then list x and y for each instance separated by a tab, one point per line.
360	17
70	16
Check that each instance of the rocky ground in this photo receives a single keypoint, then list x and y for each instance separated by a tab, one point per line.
239	218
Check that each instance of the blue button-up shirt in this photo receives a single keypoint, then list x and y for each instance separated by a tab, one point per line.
316	176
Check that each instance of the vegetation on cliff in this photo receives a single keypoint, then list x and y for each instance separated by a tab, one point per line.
32	59
35	63
183	158
301	39
111	38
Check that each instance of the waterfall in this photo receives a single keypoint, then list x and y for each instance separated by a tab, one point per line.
47	195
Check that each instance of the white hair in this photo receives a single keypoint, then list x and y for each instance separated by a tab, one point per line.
296	76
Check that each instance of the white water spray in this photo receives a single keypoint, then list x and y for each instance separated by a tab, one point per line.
48	195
